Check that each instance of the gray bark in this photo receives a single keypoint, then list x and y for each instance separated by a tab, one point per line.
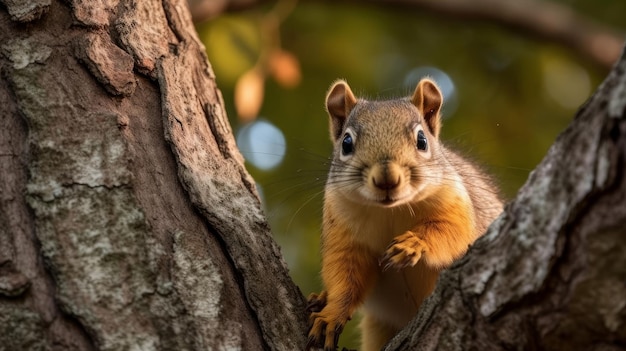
127	219
551	271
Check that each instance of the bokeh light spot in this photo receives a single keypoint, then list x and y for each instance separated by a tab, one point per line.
262	144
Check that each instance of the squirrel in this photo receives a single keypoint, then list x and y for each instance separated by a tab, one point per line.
398	208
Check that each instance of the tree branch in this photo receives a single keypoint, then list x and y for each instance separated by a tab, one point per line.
540	19
204	10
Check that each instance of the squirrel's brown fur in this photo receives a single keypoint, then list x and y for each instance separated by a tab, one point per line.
398	207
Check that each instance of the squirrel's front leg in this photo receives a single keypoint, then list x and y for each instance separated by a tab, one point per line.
348	272
438	242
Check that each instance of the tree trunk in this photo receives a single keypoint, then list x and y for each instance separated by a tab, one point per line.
127	219
551	271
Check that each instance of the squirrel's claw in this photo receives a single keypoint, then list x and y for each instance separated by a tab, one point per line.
315	302
404	251
324	331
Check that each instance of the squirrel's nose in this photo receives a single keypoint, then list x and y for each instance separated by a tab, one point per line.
386	176
385	182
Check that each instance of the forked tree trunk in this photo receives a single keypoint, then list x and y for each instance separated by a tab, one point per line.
127	220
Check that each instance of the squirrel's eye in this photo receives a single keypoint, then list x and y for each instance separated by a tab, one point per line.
346	145
422	142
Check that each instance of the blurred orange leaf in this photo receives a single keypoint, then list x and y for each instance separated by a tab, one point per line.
249	92
284	68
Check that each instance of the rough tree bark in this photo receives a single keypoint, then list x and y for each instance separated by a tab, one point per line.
550	273
127	219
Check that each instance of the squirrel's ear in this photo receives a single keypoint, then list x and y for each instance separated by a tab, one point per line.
339	103
428	99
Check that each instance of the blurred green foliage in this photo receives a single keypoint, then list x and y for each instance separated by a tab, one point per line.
515	95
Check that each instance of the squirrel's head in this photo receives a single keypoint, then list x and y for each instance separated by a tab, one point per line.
385	152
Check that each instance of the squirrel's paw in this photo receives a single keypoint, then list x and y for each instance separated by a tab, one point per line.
404	251
325	330
315	302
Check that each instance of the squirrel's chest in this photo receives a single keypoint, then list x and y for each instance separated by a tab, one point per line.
397	295
376	228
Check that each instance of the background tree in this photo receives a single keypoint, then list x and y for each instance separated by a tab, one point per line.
549	20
